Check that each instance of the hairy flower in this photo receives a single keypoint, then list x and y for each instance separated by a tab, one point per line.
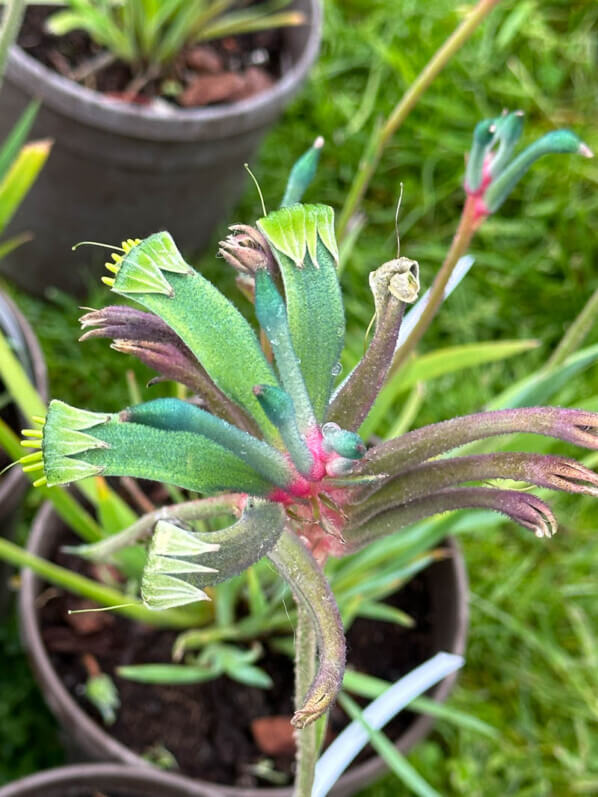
492	173
275	431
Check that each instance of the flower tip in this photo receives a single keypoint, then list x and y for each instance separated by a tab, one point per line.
584	150
318	143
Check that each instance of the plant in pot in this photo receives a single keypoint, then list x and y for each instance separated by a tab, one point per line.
132	129
274	448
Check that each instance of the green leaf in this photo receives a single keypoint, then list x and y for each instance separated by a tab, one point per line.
540	386
302	237
367	686
174	674
302	174
258	602
154	274
252	676
20	177
101	691
373	610
17	137
6	247
234	24
438	363
395	761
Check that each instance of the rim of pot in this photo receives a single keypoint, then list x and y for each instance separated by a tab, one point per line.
74	779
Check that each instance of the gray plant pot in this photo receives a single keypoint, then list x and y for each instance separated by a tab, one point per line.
447	582
119	170
14	483
86	780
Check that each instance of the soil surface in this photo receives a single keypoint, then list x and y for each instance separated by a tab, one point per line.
224	70
211	728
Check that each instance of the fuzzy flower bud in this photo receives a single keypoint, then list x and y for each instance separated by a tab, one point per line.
246	250
492	173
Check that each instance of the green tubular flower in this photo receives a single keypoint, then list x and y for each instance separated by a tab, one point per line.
181	562
491	174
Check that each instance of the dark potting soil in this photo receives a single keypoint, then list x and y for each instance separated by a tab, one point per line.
225	70
207	727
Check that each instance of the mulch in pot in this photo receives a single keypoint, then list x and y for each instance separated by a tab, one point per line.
208	727
225	70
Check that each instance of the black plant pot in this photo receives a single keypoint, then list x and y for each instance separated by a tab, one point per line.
447	585
120	170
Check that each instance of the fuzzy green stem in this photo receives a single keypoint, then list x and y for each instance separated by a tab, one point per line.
67	507
468	224
577	332
354	400
305	672
312	592
18	383
190	510
11	22
87	588
409	100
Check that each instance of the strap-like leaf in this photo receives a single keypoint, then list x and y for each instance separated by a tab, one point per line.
302	238
201	316
20	177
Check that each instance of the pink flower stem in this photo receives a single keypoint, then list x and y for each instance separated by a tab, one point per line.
472	216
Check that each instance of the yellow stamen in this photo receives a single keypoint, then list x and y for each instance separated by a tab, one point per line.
31	443
38	419
130	243
33	468
112	268
35	457
109	281
40	482
32	433
116	258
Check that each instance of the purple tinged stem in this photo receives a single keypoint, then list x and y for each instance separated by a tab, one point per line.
555	473
354	400
297	566
523	508
573	426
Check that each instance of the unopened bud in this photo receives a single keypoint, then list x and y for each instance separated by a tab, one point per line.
399	278
246	250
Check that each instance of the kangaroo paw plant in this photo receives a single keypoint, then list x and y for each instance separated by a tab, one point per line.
271	439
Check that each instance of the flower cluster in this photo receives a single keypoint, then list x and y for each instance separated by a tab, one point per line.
270	436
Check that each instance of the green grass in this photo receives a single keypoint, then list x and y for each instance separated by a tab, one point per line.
532	658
